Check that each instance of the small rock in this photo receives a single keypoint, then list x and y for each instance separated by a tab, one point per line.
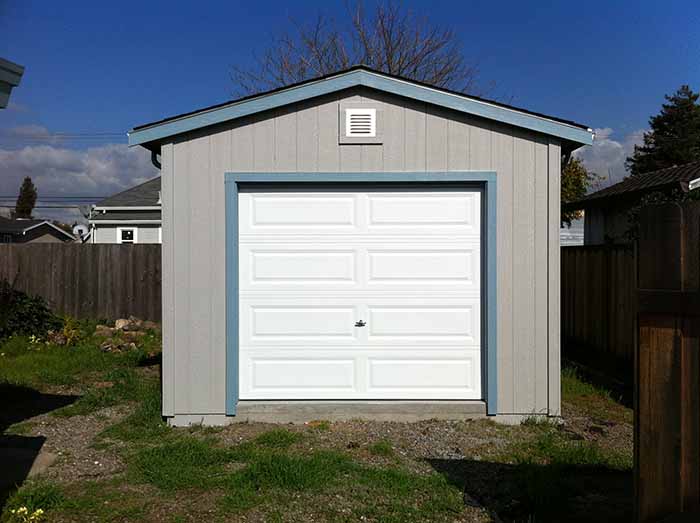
132	336
104	330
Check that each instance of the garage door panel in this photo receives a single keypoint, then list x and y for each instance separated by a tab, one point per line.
421	321
410	210
279	323
457	375
296	266
304	212
438	266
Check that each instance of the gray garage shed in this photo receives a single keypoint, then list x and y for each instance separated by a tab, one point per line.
360	244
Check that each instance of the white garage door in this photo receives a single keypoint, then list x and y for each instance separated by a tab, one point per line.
360	294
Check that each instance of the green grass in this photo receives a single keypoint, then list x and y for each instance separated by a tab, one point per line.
382	448
186	463
593	400
278	439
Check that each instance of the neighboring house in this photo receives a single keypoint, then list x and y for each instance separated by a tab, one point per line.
571	235
607	211
20	230
132	216
10	76
360	245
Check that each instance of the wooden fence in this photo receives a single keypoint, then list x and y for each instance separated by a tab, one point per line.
598	300
88	281
667	368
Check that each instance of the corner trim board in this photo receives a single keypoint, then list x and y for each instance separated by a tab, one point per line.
487	181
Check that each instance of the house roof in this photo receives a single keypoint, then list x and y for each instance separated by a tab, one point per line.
10	76
19	226
150	135
670	177
142	195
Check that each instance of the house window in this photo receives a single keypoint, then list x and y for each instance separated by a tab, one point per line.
126	234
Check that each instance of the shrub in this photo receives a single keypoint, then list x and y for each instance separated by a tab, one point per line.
23	314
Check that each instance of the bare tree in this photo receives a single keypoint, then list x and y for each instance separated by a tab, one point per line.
390	39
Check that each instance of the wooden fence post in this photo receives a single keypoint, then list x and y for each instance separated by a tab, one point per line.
667	363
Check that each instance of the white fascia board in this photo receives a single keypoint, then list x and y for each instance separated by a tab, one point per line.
132	208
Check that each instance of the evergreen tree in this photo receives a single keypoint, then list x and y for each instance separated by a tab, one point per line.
674	138
26	199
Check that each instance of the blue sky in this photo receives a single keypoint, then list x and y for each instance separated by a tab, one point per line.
103	67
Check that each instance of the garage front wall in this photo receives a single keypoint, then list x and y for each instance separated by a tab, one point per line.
417	137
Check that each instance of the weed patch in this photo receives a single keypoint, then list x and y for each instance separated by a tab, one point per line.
145	424
35	495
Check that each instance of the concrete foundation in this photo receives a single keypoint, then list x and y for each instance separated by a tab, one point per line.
304	411
401	411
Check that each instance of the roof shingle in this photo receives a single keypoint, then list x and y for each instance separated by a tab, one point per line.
143	195
654	180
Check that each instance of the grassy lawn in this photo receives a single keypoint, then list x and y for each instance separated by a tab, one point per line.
100	413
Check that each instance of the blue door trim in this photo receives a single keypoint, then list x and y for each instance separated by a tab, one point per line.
485	179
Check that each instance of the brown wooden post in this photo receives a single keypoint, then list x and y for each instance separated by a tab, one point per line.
667	363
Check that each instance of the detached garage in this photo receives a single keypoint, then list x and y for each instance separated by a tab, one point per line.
360	245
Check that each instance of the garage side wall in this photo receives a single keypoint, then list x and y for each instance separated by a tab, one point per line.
304	138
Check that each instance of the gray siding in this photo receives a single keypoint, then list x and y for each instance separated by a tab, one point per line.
304	138
108	233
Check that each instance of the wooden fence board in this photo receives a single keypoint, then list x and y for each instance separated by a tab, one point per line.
598	308
88	280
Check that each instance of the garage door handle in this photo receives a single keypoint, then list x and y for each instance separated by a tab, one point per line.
360	323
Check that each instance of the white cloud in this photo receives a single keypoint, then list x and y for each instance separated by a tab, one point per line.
60	171
606	157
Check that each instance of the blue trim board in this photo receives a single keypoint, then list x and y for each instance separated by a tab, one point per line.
232	301
487	180
359	77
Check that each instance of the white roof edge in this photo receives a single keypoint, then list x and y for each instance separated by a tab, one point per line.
50	225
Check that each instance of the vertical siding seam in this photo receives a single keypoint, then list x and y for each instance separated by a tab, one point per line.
537	313
212	220
317	130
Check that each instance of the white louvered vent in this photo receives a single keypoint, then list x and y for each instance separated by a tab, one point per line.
361	123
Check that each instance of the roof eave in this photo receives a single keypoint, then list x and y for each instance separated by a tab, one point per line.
146	136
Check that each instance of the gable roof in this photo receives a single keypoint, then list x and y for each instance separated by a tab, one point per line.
142	195
671	177
149	135
20	226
